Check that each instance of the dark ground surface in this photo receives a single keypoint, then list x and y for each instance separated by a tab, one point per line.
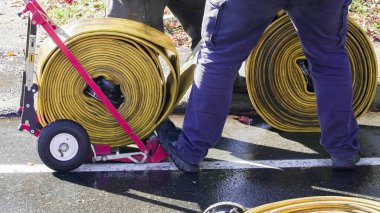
165	191
173	191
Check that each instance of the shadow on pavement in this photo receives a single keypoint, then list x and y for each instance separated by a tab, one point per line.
175	190
369	137
250	151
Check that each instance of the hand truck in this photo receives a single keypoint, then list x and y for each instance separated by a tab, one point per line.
64	145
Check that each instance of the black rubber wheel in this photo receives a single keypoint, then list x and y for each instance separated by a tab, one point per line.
63	145
225	207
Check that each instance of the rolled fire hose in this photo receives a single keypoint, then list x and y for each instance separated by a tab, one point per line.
126	53
320	204
278	88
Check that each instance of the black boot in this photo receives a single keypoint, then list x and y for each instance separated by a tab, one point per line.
167	137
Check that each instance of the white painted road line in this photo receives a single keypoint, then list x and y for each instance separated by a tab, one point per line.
344	193
207	165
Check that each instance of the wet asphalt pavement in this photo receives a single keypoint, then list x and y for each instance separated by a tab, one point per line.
165	191
174	191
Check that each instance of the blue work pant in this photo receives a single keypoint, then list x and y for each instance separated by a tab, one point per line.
231	29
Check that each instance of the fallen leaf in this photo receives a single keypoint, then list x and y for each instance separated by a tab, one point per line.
11	54
245	120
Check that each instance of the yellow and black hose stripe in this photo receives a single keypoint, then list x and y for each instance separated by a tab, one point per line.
277	87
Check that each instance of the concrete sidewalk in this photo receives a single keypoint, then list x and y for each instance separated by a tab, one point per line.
12	42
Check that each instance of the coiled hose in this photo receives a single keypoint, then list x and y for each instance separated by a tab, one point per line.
130	54
124	52
320	204
278	88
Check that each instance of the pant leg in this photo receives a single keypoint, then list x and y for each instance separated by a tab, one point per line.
230	30
322	28
189	13
149	12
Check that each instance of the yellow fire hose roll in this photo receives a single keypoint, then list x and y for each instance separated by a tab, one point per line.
125	53
277	87
130	54
320	204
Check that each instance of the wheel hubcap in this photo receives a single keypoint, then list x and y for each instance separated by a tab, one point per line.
64	147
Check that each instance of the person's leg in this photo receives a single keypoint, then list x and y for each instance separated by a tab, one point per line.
149	12
230	30
322	28
189	13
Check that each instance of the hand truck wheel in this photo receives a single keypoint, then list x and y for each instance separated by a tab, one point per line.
63	145
225	207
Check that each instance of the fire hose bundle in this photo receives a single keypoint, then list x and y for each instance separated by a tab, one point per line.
125	58
320	204
307	204
280	88
121	54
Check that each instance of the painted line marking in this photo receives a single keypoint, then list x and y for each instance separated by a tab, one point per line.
206	165
344	193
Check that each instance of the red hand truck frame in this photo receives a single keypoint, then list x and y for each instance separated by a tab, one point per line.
150	151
